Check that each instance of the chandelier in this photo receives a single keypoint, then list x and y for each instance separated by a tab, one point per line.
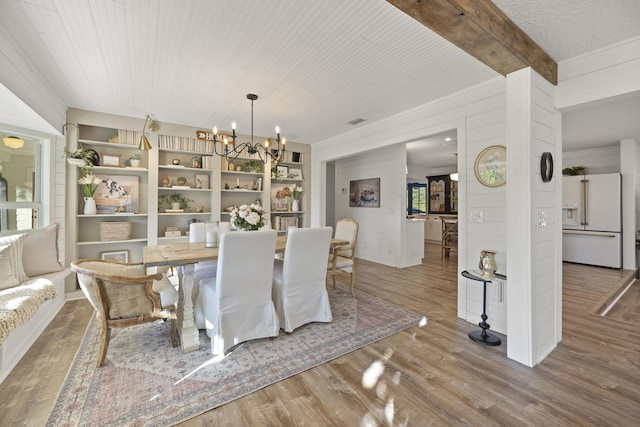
231	151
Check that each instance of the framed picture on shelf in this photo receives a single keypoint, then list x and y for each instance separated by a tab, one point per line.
110	160
295	173
296	157
117	194
364	193
202	181
282	171
117	256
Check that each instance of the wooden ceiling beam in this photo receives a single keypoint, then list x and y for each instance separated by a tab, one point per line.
483	31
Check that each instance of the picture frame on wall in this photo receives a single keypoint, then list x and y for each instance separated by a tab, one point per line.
491	166
117	256
364	193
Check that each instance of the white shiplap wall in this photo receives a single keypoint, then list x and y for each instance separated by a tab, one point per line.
532	226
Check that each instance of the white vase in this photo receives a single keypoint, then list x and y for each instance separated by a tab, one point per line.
134	163
295	207
90	206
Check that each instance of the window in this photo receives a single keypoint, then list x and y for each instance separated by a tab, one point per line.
20	188
416	198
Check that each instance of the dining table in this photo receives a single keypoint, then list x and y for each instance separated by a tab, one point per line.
184	257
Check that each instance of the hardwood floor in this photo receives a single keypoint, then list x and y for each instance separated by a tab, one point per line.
433	375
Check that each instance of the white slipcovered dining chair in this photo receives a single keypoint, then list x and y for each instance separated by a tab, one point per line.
237	301
341	258
202	270
299	285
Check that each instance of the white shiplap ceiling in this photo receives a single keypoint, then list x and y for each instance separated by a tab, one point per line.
314	64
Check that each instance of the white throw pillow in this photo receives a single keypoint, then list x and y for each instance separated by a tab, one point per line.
15	243
40	250
7	279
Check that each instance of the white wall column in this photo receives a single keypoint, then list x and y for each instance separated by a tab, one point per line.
629	152
533	231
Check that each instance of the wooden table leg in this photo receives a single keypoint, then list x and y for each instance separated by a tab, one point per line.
189	334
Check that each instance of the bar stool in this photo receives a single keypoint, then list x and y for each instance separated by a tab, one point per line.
482	336
449	236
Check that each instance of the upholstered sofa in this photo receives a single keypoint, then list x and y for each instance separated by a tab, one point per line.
31	290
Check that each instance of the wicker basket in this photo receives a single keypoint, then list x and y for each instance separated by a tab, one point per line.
110	231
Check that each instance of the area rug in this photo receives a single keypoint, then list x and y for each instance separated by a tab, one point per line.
144	381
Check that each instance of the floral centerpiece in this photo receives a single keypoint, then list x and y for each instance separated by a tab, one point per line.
295	191
248	217
89	183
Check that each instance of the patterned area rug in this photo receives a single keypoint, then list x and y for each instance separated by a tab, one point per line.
144	381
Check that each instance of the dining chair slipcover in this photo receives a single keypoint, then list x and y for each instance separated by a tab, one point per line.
124	295
202	270
299	281
341	259
237	301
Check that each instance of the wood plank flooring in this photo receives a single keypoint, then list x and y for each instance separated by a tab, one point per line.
433	375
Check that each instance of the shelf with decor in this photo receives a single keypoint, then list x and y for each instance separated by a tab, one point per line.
113	219
242	182
185	173
286	211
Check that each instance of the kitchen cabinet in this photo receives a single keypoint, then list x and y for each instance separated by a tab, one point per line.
442	194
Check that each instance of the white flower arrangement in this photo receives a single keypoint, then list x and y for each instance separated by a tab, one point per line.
295	191
248	217
89	183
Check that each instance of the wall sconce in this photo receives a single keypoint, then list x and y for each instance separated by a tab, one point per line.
13	142
144	142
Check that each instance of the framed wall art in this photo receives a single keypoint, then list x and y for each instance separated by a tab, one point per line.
118	256
364	193
491	166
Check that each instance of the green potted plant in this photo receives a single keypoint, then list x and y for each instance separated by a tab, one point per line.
276	174
174	200
253	166
181	180
79	158
134	160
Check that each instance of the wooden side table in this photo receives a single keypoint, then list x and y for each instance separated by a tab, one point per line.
482	336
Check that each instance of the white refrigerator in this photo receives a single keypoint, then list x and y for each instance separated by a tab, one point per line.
592	219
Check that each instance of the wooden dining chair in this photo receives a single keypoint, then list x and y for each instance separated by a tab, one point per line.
237	301
299	284
124	295
341	258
